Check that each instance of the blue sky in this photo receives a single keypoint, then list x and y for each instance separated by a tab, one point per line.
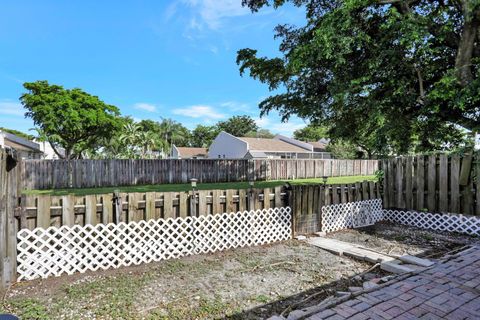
152	59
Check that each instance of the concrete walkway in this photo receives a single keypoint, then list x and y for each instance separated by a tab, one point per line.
449	290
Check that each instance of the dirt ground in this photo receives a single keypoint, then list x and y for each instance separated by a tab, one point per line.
397	239
246	283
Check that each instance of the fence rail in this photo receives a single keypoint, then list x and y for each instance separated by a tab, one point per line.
55	174
436	183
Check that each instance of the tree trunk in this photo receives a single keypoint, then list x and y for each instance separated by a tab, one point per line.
463	61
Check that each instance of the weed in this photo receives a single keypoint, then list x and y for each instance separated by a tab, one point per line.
30	309
262	298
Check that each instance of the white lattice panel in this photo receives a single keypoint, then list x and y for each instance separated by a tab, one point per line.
342	216
436	221
66	250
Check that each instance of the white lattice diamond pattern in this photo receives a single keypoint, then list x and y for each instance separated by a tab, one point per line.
339	216
436	221
55	251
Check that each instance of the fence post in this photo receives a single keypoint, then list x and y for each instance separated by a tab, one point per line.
9	179
117	205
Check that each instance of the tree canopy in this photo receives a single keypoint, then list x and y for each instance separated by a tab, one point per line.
311	133
390	76
238	126
69	118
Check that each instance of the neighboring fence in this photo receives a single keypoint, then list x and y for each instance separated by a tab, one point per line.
55	174
8	202
307	201
436	183
66	250
45	210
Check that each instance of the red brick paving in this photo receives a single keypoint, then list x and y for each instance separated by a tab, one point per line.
449	290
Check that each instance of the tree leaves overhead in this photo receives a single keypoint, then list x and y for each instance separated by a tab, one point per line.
389	76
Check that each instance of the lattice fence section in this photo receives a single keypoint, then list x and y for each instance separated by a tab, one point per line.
436	221
351	214
66	250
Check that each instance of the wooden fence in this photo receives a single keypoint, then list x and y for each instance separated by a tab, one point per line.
55	174
306	202
45	210
8	202
437	183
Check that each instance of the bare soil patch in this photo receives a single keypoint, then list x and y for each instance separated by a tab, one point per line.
398	239
245	283
212	286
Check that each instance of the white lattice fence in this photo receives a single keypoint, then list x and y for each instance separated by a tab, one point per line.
55	251
351	214
436	221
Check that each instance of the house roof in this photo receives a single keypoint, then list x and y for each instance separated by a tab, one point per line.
318	144
19	143
270	145
256	154
187	152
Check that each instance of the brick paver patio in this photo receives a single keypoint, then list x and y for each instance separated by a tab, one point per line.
449	290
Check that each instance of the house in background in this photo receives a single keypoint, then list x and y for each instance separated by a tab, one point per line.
26	149
188	153
227	146
47	150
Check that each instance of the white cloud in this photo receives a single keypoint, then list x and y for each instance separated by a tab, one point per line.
145	107
262	122
236	106
286	128
11	108
212	12
199	111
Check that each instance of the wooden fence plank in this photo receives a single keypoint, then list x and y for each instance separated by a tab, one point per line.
150	206
409	183
68	213
91	209
43	212
168	205
420	183
454	184
107	208
443	184
432	183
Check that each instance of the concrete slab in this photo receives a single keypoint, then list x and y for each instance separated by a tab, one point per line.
395	267
416	260
349	249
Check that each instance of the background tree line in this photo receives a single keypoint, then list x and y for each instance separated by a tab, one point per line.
86	127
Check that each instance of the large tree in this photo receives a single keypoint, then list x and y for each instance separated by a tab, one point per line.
69	118
311	133
393	76
202	136
238	126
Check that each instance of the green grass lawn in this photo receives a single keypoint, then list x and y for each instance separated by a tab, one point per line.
201	186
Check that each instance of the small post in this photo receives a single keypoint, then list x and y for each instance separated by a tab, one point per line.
193	198
117	206
289	203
